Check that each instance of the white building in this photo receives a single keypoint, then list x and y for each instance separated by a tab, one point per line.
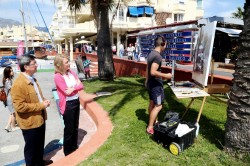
16	33
68	27
10	36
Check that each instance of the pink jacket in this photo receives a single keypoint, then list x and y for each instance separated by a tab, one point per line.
61	87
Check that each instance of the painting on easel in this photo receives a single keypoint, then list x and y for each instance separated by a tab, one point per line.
203	53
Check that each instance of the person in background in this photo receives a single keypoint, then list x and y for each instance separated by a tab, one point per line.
8	75
133	51
68	85
86	64
130	50
121	50
93	48
137	51
154	82
89	48
114	49
30	108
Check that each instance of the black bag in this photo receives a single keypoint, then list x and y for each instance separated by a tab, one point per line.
171	116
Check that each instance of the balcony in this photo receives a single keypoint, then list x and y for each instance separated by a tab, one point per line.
68	25
167	8
59	4
132	23
55	16
144	2
86	28
179	7
55	25
85	10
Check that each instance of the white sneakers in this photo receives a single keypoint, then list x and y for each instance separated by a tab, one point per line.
9	129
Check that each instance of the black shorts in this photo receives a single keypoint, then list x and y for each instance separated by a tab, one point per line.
156	94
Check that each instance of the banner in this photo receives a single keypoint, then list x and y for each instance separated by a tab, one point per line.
179	44
20	48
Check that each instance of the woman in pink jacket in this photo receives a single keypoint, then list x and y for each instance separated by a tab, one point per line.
68	85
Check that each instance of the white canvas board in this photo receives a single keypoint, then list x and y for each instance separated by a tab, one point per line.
188	92
203	53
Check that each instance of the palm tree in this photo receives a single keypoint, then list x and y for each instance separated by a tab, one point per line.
237	127
238	13
100	10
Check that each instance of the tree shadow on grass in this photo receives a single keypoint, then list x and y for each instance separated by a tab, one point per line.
131	89
208	127
142	115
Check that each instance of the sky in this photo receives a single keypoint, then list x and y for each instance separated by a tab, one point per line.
9	9
222	8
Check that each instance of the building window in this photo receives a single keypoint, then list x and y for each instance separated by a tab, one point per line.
180	1
121	14
199	4
178	18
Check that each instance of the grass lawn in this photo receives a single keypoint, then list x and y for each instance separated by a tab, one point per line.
45	70
130	145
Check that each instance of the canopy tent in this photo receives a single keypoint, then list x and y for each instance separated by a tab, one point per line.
149	10
229	31
133	11
140	10
83	41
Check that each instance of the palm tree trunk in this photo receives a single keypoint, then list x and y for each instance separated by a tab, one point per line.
104	52
237	127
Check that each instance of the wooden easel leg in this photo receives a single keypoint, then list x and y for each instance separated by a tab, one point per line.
187	108
199	115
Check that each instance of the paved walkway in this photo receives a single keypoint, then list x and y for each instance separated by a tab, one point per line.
12	143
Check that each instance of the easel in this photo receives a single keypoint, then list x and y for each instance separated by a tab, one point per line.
195	92
200	111
216	88
202	91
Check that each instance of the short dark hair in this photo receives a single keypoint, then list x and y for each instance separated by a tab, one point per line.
160	41
25	60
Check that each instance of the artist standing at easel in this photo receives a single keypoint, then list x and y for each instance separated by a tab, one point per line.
154	81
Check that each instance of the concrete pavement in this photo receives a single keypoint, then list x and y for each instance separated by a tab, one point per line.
12	143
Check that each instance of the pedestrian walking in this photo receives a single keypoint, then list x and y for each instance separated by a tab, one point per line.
8	75
86	62
121	47
130	51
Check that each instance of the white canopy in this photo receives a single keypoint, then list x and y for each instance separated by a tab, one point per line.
83	41
230	32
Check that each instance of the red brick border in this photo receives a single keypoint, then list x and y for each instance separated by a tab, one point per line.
104	129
